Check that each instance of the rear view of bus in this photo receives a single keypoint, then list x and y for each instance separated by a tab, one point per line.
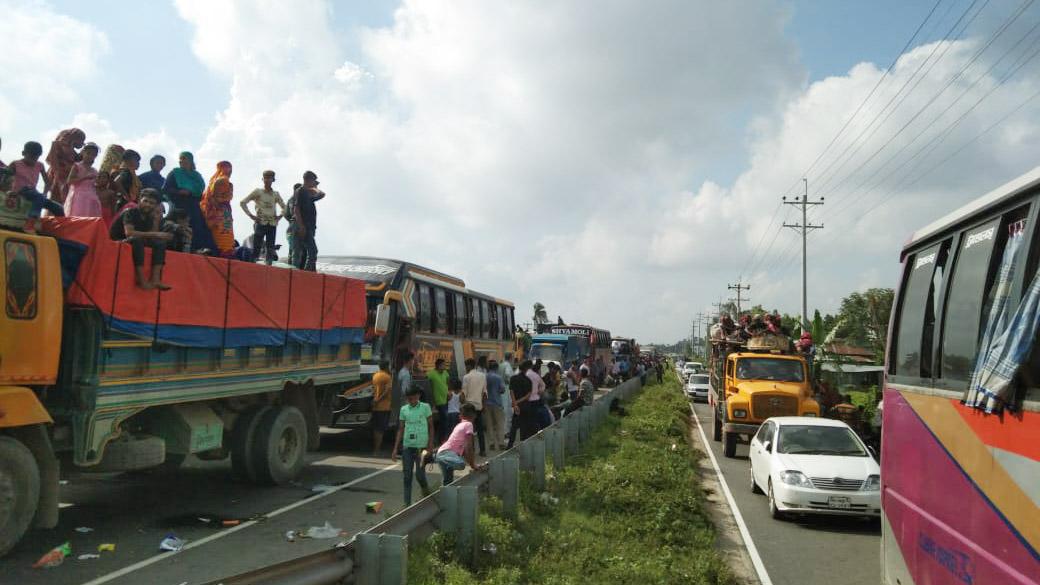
960	456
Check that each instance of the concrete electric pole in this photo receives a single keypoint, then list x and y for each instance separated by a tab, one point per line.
805	227
739	288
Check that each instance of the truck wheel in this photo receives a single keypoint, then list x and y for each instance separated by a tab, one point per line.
716	433
280	445
131	453
729	444
19	491
242	443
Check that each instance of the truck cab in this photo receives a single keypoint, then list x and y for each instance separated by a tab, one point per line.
749	386
559	349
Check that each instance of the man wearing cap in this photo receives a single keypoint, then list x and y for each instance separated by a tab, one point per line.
265	220
306	215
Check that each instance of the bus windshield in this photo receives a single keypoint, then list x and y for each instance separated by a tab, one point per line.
776	370
547	352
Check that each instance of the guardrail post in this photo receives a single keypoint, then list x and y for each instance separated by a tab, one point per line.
557	438
505	482
583	426
466	529
571	431
382	559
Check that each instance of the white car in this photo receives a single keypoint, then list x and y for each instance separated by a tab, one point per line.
690	368
697	387
814	466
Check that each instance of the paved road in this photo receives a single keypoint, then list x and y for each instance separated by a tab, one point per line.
811	550
135	511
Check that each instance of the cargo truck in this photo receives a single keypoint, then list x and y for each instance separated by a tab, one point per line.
237	361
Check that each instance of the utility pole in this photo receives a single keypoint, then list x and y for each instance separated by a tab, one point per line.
805	227
740	288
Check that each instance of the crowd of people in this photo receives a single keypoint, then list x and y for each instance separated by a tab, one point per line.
491	407
180	211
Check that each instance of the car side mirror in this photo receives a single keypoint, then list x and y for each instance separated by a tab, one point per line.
382	322
768	446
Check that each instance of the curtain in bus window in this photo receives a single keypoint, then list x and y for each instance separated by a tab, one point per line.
440	303
460	314
1008	337
425	308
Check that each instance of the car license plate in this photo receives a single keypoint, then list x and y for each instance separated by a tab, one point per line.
839	503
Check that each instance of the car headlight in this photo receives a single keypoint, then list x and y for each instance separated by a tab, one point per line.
872	484
796	478
739	413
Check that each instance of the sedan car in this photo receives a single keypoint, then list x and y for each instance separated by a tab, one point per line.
814	466
690	368
697	387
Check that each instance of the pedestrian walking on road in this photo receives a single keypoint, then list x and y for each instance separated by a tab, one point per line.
458	449
493	412
438	379
401	385
414	435
454	402
474	391
506	370
381	400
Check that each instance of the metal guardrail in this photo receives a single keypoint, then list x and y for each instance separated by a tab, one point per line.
379	555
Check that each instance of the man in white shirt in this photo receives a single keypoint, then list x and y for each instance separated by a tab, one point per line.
506	370
474	391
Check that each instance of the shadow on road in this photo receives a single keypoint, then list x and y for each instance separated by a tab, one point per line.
840	524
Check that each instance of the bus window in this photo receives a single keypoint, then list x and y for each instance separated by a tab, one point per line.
425	310
441	306
485	319
913	348
460	314
474	318
500	312
963	309
508	323
494	311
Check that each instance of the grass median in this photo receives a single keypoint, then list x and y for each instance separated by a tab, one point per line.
626	510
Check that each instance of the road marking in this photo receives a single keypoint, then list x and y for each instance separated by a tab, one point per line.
745	534
197	543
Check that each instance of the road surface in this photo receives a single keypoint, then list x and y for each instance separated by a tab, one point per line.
809	550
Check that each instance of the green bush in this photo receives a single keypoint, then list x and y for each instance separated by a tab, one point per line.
629	510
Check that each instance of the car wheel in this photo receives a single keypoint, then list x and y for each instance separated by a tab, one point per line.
773	510
729	441
754	486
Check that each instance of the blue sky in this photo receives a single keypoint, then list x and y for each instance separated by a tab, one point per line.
628	156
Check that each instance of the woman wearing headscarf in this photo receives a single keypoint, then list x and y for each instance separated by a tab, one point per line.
216	208
60	159
184	186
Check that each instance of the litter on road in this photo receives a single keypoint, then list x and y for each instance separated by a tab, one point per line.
374	507
88	556
84	529
326	531
54	557
106	547
171	543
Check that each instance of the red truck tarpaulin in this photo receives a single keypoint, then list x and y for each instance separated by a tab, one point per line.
214	302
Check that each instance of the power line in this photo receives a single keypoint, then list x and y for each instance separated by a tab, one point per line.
805	227
739	287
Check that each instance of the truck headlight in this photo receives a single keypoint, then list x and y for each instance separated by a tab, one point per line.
739	413
872	484
795	478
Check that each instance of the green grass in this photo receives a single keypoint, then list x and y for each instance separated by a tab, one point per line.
629	511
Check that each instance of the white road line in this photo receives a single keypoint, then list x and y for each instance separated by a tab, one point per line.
756	560
197	543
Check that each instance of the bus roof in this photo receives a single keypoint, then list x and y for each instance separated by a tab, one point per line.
1014	188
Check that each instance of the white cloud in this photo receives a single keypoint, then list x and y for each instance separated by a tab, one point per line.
543	151
100	131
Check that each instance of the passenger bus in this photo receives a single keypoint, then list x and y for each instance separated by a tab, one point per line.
960	441
599	339
428	313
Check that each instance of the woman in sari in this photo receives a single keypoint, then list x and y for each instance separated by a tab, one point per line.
184	186
216	208
60	159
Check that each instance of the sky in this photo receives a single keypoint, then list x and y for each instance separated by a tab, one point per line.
619	162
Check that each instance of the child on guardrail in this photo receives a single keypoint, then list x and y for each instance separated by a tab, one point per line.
458	449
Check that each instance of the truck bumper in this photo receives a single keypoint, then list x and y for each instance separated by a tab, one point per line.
741	428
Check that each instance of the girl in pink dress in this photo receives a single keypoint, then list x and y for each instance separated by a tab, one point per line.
82	200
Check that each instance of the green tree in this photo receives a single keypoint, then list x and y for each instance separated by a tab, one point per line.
864	319
541	317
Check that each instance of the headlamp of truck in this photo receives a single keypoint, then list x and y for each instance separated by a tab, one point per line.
739	413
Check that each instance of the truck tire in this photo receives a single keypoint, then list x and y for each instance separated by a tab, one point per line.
242	443
131	453
729	441
280	445
716	432
19	491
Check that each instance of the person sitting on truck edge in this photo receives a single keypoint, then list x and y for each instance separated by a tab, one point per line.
139	226
416	430
381	395
265	220
27	173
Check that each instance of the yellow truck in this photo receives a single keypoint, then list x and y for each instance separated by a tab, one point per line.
749	385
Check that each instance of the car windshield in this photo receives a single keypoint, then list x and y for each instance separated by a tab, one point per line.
777	370
819	440
547	352
698	379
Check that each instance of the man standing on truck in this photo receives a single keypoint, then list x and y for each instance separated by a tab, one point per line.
306	216
265	220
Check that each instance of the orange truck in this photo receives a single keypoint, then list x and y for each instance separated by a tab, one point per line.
238	361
